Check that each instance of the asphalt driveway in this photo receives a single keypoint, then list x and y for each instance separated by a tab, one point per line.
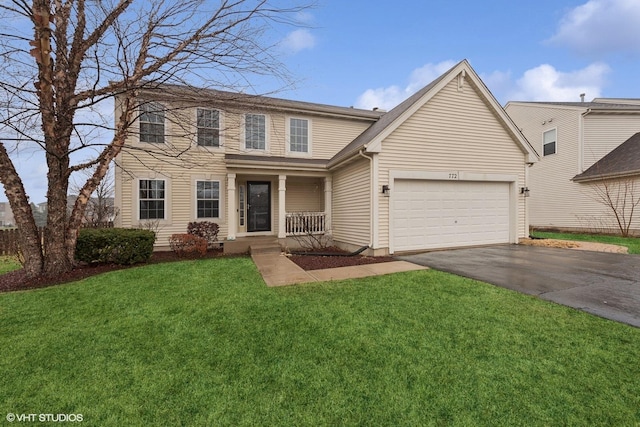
604	284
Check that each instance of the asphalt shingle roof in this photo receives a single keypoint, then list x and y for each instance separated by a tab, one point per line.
622	161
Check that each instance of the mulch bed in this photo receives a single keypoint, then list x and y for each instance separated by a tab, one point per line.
17	280
314	262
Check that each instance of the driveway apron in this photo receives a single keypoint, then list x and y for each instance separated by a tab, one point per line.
604	284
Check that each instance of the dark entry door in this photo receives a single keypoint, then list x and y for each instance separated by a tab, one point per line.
258	206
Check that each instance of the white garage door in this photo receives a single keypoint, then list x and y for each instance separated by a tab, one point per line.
444	214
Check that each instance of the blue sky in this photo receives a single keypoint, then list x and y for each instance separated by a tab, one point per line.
363	54
374	54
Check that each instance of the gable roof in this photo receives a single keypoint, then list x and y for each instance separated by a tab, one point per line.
623	161
371	138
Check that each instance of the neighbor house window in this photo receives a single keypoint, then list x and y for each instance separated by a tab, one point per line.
549	142
152	123
255	131
208	199
152	196
299	135
208	128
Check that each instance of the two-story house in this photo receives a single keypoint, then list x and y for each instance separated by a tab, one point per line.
574	138
445	168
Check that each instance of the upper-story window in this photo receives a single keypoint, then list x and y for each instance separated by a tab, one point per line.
299	136
208	122
152	123
549	139
255	132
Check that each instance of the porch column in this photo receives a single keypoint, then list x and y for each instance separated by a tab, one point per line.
328	199
232	214
282	214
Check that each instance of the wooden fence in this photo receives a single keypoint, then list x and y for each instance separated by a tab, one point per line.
9	239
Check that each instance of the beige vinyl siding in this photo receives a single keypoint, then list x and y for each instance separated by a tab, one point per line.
331	135
603	133
454	131
352	203
181	161
328	135
304	195
160	161
598	217
554	199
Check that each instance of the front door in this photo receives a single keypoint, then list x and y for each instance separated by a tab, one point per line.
258	206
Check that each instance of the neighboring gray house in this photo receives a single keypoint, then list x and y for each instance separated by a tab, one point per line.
445	168
6	215
575	140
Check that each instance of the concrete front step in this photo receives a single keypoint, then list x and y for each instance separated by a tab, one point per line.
265	248
242	245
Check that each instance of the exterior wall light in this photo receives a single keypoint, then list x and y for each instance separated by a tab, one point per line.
386	190
525	191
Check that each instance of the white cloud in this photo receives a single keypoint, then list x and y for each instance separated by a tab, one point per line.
601	26
390	96
298	40
545	83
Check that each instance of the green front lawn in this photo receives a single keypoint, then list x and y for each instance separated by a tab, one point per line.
206	343
633	243
8	263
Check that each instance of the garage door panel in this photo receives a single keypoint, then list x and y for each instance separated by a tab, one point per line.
436	214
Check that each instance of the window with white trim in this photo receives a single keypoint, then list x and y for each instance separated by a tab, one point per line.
255	132
152	123
208	123
549	142
298	135
207	199
151	198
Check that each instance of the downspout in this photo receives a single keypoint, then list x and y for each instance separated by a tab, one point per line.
526	202
374	187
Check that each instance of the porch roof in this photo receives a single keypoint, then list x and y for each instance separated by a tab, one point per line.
274	162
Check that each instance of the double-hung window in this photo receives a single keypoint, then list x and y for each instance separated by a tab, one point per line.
255	132
151	197
549	142
208	199
208	122
298	135
152	123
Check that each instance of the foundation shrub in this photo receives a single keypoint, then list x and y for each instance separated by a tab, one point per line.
122	246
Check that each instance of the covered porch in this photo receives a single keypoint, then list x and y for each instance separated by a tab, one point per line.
283	203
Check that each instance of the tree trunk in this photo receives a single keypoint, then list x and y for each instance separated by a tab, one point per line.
30	244
57	259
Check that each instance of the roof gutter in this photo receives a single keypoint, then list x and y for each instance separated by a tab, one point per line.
619	175
348	158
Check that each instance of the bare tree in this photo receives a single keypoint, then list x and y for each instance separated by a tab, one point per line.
100	209
62	61
621	197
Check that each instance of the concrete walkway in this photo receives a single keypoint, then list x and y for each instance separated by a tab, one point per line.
279	270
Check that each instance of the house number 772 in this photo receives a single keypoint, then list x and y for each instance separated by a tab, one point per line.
453	176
